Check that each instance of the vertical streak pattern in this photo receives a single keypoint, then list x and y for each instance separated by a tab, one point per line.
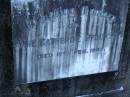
63	42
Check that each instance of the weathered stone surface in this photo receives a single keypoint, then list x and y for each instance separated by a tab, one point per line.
66	39
58	88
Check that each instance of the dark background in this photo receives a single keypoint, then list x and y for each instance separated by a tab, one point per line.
93	84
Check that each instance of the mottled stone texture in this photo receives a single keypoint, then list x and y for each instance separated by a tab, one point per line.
59	88
6	59
127	42
60	41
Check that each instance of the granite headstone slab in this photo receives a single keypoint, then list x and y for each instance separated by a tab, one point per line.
54	39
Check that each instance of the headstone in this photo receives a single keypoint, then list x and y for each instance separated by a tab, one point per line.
54	39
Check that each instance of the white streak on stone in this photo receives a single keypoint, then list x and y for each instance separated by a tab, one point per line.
104	4
84	21
17	57
23	61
